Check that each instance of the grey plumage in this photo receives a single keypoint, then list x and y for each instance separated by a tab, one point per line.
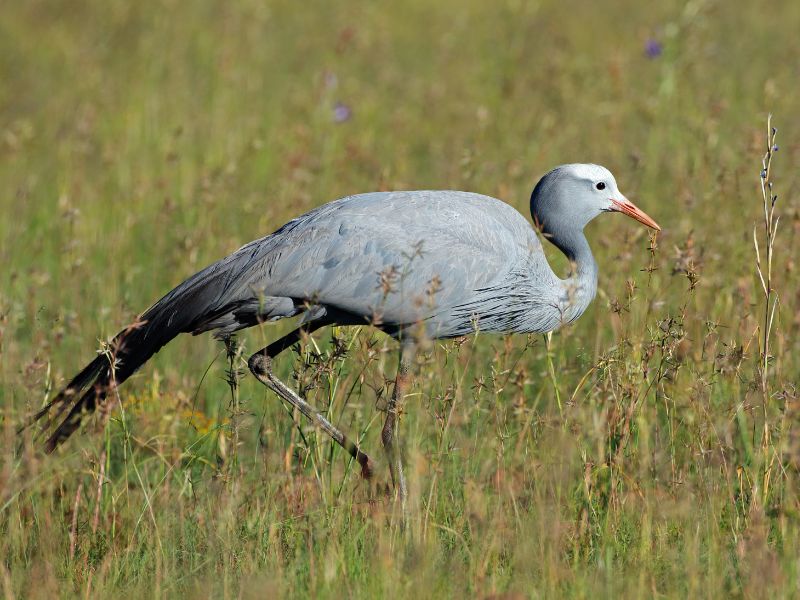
472	249
450	261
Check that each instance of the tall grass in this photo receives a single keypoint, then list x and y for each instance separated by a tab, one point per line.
651	449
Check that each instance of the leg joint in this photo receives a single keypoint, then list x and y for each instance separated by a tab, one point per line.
260	364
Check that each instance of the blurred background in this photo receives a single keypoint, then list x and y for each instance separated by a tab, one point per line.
637	453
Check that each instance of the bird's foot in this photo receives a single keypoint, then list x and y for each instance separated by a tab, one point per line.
367	467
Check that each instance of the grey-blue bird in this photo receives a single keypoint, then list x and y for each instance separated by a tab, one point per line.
438	264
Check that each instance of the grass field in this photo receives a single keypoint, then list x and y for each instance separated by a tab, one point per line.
643	452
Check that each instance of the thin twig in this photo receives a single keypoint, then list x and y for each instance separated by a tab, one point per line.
233	374
100	480
73	531
764	270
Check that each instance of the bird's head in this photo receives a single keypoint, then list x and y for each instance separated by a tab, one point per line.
570	196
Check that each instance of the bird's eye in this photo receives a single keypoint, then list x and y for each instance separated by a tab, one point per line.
600	186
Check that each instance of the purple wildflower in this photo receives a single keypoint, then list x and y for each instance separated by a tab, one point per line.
341	112
653	48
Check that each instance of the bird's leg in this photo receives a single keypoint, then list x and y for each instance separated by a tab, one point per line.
260	365
390	426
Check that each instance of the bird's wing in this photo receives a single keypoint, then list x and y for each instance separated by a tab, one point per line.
398	256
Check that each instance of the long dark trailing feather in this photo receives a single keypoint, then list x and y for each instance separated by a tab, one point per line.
185	309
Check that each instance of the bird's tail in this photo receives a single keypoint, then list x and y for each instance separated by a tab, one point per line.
181	310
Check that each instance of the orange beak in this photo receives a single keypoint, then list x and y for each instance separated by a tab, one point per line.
627	207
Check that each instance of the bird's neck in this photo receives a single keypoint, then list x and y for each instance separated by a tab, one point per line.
578	290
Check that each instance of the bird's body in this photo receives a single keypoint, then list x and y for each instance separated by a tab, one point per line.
447	262
477	263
